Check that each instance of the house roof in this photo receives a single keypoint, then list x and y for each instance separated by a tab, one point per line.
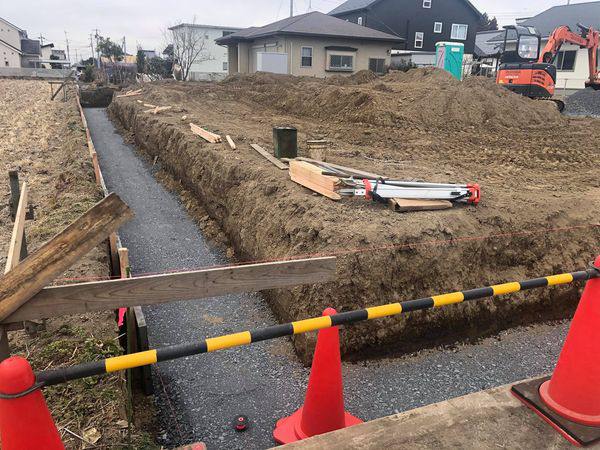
196	25
11	47
311	24
8	23
546	22
487	44
355	5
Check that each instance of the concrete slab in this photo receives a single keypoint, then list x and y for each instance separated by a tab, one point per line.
492	419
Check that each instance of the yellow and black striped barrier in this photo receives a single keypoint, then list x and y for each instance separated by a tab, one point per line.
56	376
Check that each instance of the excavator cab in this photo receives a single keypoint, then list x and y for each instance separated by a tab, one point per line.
519	69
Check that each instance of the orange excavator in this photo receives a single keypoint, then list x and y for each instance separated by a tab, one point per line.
531	72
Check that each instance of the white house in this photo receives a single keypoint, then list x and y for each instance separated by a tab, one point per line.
213	62
16	49
572	62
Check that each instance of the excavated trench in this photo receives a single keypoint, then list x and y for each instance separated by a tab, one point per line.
396	259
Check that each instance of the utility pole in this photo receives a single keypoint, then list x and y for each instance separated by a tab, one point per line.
42	39
291	8
92	47
124	47
68	54
97	49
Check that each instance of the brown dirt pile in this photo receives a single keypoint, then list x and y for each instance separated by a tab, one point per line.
532	178
421	98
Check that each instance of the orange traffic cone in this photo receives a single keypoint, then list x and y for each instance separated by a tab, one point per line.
574	389
25	422
323	409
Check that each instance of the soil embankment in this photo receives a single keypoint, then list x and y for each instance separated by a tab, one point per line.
532	164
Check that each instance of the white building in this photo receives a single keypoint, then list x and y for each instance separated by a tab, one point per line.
572	62
213	62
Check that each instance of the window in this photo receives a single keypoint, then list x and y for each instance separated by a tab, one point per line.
306	57
437	27
528	47
459	31
377	65
225	66
427	4
359	21
419	37
565	60
6	63
341	62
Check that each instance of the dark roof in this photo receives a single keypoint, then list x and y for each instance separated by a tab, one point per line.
546	22
197	25
355	5
487	43
311	24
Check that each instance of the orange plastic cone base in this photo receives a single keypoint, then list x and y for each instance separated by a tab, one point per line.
323	409
574	389
25	422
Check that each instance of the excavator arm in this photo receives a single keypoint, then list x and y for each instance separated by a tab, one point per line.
589	38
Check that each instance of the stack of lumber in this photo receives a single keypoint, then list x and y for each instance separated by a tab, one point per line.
205	134
130	93
312	177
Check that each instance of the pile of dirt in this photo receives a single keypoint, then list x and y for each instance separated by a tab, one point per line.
384	256
420	98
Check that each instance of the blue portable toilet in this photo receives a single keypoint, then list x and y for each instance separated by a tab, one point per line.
449	56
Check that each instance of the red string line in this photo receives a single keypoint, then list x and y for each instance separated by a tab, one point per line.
438	242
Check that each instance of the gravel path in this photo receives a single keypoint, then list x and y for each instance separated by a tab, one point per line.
197	397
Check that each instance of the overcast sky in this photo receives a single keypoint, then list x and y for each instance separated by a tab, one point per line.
141	22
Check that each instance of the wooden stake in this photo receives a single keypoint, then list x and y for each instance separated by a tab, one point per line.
14	250
230	142
269	157
204	134
60	253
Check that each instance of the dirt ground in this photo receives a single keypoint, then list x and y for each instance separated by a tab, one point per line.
45	141
538	215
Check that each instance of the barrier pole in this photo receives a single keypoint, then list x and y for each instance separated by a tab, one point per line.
118	363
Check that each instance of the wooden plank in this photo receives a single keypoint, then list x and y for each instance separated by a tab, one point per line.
350	170
205	134
96	167
315	187
157	109
60	253
230	142
269	157
130	93
307	171
16	240
62	85
407	205
114	253
166	288
4	346
124	262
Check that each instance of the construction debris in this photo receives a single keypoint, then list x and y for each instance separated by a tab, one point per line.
335	181
230	142
407	205
155	110
130	93
269	157
204	134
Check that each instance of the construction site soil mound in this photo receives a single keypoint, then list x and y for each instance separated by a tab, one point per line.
420	98
538	215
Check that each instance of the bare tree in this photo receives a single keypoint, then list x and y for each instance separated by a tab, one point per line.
189	47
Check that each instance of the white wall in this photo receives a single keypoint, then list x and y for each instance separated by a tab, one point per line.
216	61
9	35
9	57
